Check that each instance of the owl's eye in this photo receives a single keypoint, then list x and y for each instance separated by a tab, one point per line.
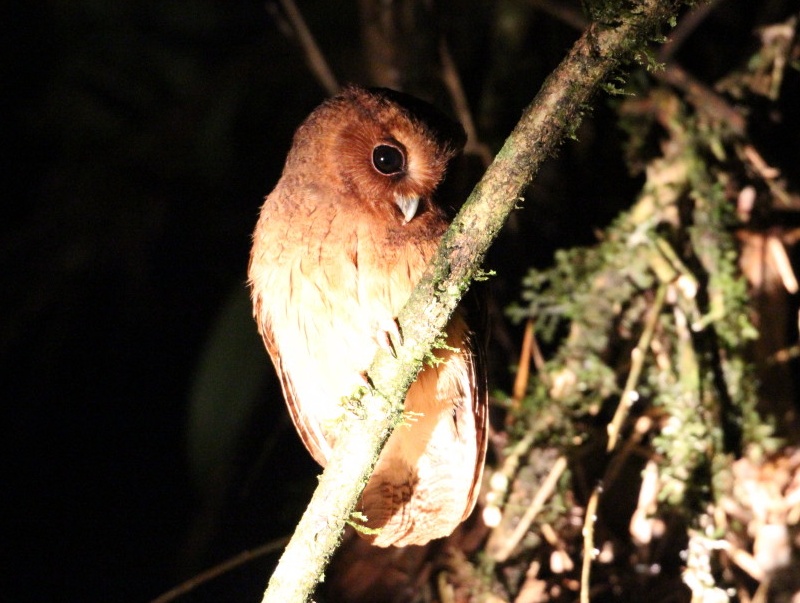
388	159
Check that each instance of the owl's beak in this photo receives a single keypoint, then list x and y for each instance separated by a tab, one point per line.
408	205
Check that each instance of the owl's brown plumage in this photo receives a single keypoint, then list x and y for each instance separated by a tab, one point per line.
339	245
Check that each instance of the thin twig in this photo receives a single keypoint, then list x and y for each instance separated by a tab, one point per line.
759	164
785	355
691	21
542	494
769	174
452	81
566	14
222	568
791	237
704	99
536	353
314	57
588	541
783	264
638	354
523	370
499	484
640	429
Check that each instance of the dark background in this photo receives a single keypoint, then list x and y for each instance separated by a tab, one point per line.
145	436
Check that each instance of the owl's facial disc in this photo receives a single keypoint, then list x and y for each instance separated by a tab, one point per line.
408	204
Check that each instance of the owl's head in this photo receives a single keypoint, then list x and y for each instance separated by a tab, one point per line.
385	149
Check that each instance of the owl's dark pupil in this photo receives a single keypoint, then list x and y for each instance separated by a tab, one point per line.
388	159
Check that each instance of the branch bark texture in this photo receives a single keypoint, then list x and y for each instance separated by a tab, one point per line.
553	115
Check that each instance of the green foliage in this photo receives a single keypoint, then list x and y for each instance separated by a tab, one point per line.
608	12
647	58
432	358
483	275
593	302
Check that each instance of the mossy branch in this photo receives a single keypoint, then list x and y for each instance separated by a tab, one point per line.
552	116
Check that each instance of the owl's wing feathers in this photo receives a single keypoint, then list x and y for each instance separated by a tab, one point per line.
308	428
476	366
428	478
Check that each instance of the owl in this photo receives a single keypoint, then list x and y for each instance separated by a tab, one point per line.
339	245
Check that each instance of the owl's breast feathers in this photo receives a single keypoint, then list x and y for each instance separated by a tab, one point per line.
333	259
323	283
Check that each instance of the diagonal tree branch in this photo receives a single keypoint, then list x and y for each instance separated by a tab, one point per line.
553	115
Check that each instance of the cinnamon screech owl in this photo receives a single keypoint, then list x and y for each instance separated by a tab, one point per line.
340	243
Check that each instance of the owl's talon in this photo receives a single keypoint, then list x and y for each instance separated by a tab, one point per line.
393	328
388	333
363	379
386	343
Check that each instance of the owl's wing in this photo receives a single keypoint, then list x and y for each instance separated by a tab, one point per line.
309	429
476	365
